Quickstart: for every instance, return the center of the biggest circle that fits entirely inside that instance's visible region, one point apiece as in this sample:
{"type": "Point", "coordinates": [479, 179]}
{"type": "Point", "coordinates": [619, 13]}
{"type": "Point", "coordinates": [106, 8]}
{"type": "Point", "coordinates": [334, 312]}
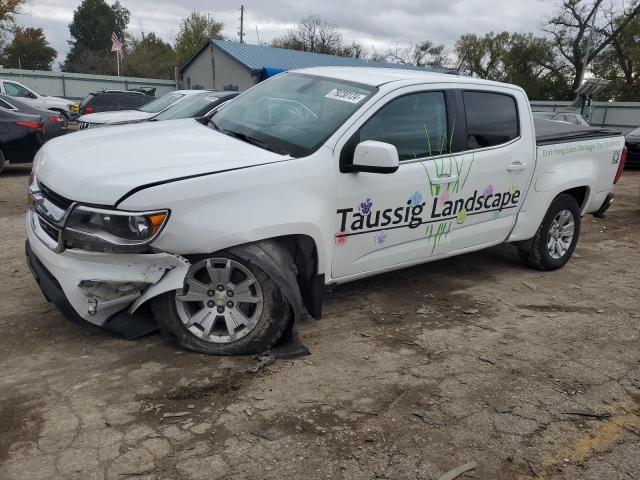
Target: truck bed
{"type": "Point", "coordinates": [549, 131]}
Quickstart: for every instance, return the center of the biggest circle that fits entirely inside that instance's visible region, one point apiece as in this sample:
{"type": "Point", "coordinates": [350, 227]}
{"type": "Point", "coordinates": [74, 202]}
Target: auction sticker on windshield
{"type": "Point", "coordinates": [345, 95]}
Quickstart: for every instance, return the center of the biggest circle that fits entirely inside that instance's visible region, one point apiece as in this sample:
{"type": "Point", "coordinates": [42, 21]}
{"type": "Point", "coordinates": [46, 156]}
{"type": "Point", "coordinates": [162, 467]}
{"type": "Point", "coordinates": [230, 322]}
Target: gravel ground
{"type": "Point", "coordinates": [527, 374]}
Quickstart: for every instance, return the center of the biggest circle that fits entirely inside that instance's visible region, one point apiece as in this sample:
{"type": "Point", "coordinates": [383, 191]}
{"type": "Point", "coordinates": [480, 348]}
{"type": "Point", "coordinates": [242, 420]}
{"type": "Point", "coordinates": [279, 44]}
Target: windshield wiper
{"type": "Point", "coordinates": [246, 138]}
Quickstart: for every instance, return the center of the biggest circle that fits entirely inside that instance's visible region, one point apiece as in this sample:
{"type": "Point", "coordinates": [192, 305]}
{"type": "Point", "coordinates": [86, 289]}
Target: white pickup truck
{"type": "Point", "coordinates": [67, 108]}
{"type": "Point", "coordinates": [223, 232]}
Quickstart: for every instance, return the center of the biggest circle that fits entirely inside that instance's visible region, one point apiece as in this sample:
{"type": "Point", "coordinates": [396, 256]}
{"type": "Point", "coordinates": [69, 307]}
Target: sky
{"type": "Point", "coordinates": [378, 25]}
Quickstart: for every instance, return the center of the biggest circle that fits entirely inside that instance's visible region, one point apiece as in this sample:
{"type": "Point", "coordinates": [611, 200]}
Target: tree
{"type": "Point", "coordinates": [29, 49]}
{"type": "Point", "coordinates": [483, 56]}
{"type": "Point", "coordinates": [8, 11]}
{"type": "Point", "coordinates": [425, 53]}
{"type": "Point", "coordinates": [150, 57]}
{"type": "Point", "coordinates": [571, 32]}
{"type": "Point", "coordinates": [518, 58]}
{"type": "Point", "coordinates": [314, 34]}
{"type": "Point", "coordinates": [620, 63]}
{"type": "Point", "coordinates": [195, 30]}
{"type": "Point", "coordinates": [93, 23]}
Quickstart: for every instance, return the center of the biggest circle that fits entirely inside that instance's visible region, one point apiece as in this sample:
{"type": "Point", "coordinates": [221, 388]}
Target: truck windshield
{"type": "Point", "coordinates": [292, 113]}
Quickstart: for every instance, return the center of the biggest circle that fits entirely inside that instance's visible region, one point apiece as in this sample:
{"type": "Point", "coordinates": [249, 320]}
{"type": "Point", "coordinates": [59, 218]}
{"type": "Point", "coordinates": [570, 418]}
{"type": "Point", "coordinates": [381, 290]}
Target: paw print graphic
{"type": "Point", "coordinates": [416, 199]}
{"type": "Point", "coordinates": [462, 216]}
{"type": "Point", "coordinates": [380, 237]}
{"type": "Point", "coordinates": [365, 207]}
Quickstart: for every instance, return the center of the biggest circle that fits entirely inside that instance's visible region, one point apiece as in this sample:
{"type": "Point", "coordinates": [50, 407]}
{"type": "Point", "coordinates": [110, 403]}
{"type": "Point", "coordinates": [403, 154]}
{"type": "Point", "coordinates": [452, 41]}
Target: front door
{"type": "Point", "coordinates": [381, 219]}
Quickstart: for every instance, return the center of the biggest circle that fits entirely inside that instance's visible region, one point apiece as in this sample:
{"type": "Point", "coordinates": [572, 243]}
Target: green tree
{"type": "Point", "coordinates": [29, 49]}
{"type": "Point", "coordinates": [92, 25]}
{"type": "Point", "coordinates": [150, 57]}
{"type": "Point", "coordinates": [8, 11]}
{"type": "Point", "coordinates": [620, 63]}
{"type": "Point", "coordinates": [195, 30]}
{"type": "Point", "coordinates": [518, 58]}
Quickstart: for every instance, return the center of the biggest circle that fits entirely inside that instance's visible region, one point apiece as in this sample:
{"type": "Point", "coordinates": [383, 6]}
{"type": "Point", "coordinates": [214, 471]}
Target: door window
{"type": "Point", "coordinates": [104, 101]}
{"type": "Point", "coordinates": [492, 119]}
{"type": "Point", "coordinates": [131, 101]}
{"type": "Point", "coordinates": [15, 90]}
{"type": "Point", "coordinates": [4, 104]}
{"type": "Point", "coordinates": [416, 124]}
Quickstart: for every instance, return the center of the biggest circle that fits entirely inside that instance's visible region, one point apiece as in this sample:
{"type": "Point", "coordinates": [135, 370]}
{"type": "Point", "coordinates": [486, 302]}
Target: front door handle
{"type": "Point", "coordinates": [444, 179]}
{"type": "Point", "coordinates": [516, 166]}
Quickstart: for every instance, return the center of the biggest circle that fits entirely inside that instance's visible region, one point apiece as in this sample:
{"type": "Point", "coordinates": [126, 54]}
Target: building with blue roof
{"type": "Point", "coordinates": [225, 65]}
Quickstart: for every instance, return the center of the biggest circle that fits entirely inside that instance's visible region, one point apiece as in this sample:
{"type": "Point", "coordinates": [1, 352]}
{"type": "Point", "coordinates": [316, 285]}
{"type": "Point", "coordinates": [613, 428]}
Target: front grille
{"type": "Point", "coordinates": [58, 200]}
{"type": "Point", "coordinates": [50, 230]}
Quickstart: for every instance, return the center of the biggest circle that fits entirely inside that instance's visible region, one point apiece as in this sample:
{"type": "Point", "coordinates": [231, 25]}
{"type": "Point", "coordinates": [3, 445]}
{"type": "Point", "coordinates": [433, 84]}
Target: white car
{"type": "Point", "coordinates": [66, 107]}
{"type": "Point", "coordinates": [148, 110]}
{"type": "Point", "coordinates": [223, 232]}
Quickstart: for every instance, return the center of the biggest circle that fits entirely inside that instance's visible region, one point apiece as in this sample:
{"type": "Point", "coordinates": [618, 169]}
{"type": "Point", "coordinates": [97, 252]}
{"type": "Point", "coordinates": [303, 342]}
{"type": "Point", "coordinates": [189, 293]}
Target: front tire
{"type": "Point", "coordinates": [228, 306]}
{"type": "Point", "coordinates": [556, 238]}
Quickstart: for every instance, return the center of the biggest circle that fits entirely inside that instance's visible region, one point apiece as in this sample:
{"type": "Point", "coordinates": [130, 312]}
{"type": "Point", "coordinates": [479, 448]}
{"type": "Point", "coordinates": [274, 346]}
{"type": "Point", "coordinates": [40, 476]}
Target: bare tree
{"type": "Point", "coordinates": [313, 34]}
{"type": "Point", "coordinates": [425, 53]}
{"type": "Point", "coordinates": [570, 30]}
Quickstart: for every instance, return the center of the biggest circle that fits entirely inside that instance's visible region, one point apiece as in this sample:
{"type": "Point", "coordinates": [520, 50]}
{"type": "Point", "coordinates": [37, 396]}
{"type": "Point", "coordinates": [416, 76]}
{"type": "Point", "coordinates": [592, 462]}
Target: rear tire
{"type": "Point", "coordinates": [556, 238]}
{"type": "Point", "coordinates": [3, 161]}
{"type": "Point", "coordinates": [200, 318]}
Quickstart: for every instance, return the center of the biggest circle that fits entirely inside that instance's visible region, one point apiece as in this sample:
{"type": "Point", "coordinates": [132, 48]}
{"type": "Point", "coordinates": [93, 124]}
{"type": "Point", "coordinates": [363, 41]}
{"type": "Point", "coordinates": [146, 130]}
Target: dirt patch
{"type": "Point", "coordinates": [20, 423]}
{"type": "Point", "coordinates": [412, 374]}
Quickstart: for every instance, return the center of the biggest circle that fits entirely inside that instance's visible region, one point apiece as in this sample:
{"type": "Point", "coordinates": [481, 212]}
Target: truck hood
{"type": "Point", "coordinates": [57, 101]}
{"type": "Point", "coordinates": [115, 117]}
{"type": "Point", "coordinates": [102, 165]}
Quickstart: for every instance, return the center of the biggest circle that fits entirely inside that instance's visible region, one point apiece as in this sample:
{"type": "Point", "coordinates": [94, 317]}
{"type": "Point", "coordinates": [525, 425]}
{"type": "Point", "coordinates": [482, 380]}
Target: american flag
{"type": "Point", "coordinates": [116, 44]}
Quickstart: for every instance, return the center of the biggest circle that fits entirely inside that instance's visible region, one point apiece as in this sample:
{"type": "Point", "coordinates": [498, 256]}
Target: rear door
{"type": "Point", "coordinates": [480, 208]}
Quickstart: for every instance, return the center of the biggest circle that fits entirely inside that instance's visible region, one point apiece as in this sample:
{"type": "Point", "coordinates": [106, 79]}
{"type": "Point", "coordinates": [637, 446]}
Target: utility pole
{"type": "Point", "coordinates": [585, 63]}
{"type": "Point", "coordinates": [241, 23]}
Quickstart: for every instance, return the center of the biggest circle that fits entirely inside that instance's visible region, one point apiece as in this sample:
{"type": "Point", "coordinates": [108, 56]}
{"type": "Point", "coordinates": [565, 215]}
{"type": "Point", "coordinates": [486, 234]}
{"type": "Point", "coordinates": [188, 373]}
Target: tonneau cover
{"type": "Point", "coordinates": [549, 131]}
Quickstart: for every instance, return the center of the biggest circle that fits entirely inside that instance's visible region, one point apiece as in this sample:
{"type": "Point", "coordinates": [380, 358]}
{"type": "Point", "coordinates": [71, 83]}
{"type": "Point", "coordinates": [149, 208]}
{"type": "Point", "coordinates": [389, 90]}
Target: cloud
{"type": "Point", "coordinates": [374, 23]}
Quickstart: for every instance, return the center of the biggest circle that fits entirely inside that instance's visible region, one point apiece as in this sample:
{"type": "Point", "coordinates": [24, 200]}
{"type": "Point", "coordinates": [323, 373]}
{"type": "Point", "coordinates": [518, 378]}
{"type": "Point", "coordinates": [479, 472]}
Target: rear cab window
{"type": "Point", "coordinates": [492, 119]}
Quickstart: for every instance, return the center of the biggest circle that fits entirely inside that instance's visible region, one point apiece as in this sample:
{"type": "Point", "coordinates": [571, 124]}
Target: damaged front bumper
{"type": "Point", "coordinates": [103, 289]}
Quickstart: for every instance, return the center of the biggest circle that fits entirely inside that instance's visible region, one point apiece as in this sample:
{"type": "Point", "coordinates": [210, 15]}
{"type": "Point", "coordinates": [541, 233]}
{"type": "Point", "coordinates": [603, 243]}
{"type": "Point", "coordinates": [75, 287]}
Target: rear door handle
{"type": "Point", "coordinates": [444, 179]}
{"type": "Point", "coordinates": [516, 166]}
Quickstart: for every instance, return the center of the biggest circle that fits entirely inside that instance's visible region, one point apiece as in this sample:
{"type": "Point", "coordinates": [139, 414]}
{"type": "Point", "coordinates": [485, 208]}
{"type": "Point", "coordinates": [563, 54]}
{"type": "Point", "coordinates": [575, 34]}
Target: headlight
{"type": "Point", "coordinates": [113, 231]}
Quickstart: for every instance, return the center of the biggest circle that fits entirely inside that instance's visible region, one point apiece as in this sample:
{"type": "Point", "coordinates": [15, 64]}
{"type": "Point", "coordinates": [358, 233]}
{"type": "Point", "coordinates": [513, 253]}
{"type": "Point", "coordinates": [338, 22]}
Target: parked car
{"type": "Point", "coordinates": [21, 135]}
{"type": "Point", "coordinates": [15, 89]}
{"type": "Point", "coordinates": [54, 123]}
{"type": "Point", "coordinates": [568, 117]}
{"type": "Point", "coordinates": [113, 100]}
{"type": "Point", "coordinates": [632, 141]}
{"type": "Point", "coordinates": [131, 114]}
{"type": "Point", "coordinates": [201, 104]}
{"type": "Point", "coordinates": [310, 178]}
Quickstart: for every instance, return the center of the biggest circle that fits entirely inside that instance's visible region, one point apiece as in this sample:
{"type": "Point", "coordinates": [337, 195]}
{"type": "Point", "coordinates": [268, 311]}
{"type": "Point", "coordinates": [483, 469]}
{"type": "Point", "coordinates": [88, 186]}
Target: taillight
{"type": "Point", "coordinates": [87, 110]}
{"type": "Point", "coordinates": [55, 119]}
{"type": "Point", "coordinates": [623, 159]}
{"type": "Point", "coordinates": [35, 126]}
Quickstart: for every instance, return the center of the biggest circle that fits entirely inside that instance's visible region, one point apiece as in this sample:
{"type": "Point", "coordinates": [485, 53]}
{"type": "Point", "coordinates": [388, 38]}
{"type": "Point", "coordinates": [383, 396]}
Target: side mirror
{"type": "Point", "coordinates": [375, 157]}
{"type": "Point", "coordinates": [31, 95]}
